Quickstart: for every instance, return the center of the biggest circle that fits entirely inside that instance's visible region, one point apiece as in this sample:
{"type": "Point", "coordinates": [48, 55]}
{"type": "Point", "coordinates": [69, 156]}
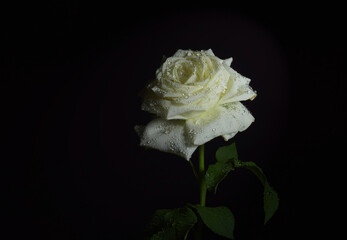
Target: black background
{"type": "Point", "coordinates": [70, 76]}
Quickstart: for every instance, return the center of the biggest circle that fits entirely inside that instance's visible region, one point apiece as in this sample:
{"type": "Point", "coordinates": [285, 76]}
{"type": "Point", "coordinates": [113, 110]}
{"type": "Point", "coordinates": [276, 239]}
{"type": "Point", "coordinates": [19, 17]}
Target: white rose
{"type": "Point", "coordinates": [196, 97]}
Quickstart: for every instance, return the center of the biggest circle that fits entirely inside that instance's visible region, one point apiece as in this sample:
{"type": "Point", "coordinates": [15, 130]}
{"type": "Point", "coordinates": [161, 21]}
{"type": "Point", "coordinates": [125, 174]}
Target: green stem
{"type": "Point", "coordinates": [202, 182]}
{"type": "Point", "coordinates": [203, 189]}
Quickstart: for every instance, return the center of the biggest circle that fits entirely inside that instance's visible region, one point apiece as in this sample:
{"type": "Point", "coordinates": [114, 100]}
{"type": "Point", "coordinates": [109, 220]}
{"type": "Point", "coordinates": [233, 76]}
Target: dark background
{"type": "Point", "coordinates": [70, 75]}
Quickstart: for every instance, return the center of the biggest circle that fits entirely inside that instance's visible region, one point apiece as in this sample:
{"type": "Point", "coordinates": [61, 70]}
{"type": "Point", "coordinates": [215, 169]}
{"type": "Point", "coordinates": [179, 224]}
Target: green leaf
{"type": "Point", "coordinates": [256, 170]}
{"type": "Point", "coordinates": [171, 224]}
{"type": "Point", "coordinates": [216, 173]}
{"type": "Point", "coordinates": [226, 157]}
{"type": "Point", "coordinates": [271, 200]}
{"type": "Point", "coordinates": [226, 153]}
{"type": "Point", "coordinates": [227, 160]}
{"type": "Point", "coordinates": [219, 219]}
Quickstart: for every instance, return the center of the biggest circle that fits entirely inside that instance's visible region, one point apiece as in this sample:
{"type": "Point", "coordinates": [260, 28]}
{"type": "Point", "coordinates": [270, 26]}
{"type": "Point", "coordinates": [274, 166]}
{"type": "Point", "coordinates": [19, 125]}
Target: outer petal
{"type": "Point", "coordinates": [228, 61]}
{"type": "Point", "coordinates": [238, 88]}
{"type": "Point", "coordinates": [168, 110]}
{"type": "Point", "coordinates": [210, 52]}
{"type": "Point", "coordinates": [166, 136]}
{"type": "Point", "coordinates": [225, 120]}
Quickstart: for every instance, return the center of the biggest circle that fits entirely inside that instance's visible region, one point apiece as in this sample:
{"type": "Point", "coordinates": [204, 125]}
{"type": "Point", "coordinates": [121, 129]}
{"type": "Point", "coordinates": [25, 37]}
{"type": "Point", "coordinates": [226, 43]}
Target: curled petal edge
{"type": "Point", "coordinates": [166, 136]}
{"type": "Point", "coordinates": [182, 137]}
{"type": "Point", "coordinates": [226, 121]}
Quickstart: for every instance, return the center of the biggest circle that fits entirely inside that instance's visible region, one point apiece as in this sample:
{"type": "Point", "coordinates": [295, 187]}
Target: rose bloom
{"type": "Point", "coordinates": [195, 97]}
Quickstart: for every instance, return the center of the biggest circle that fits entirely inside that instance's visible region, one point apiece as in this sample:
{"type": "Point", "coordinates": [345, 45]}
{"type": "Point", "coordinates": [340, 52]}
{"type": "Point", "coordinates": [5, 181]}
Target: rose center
{"type": "Point", "coordinates": [183, 72]}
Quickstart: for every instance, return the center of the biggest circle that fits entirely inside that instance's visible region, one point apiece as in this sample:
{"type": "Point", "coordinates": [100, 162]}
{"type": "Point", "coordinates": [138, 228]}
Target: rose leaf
{"type": "Point", "coordinates": [220, 220]}
{"type": "Point", "coordinates": [226, 157]}
{"type": "Point", "coordinates": [216, 173]}
{"type": "Point", "coordinates": [171, 224]}
{"type": "Point", "coordinates": [226, 153]}
{"type": "Point", "coordinates": [271, 200]}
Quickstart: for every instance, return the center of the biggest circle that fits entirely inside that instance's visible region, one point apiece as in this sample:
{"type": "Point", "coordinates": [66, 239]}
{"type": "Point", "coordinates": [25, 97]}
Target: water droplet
{"type": "Point", "coordinates": [172, 147]}
{"type": "Point", "coordinates": [213, 129]}
{"type": "Point", "coordinates": [149, 142]}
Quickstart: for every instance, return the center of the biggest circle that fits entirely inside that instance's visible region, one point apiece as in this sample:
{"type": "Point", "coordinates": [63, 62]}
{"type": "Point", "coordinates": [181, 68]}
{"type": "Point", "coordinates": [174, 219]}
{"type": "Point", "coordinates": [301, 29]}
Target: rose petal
{"type": "Point", "coordinates": [169, 110]}
{"type": "Point", "coordinates": [184, 111]}
{"type": "Point", "coordinates": [210, 52]}
{"type": "Point", "coordinates": [228, 136]}
{"type": "Point", "coordinates": [225, 120]}
{"type": "Point", "coordinates": [228, 61]}
{"type": "Point", "coordinates": [238, 88]}
{"type": "Point", "coordinates": [166, 136]}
